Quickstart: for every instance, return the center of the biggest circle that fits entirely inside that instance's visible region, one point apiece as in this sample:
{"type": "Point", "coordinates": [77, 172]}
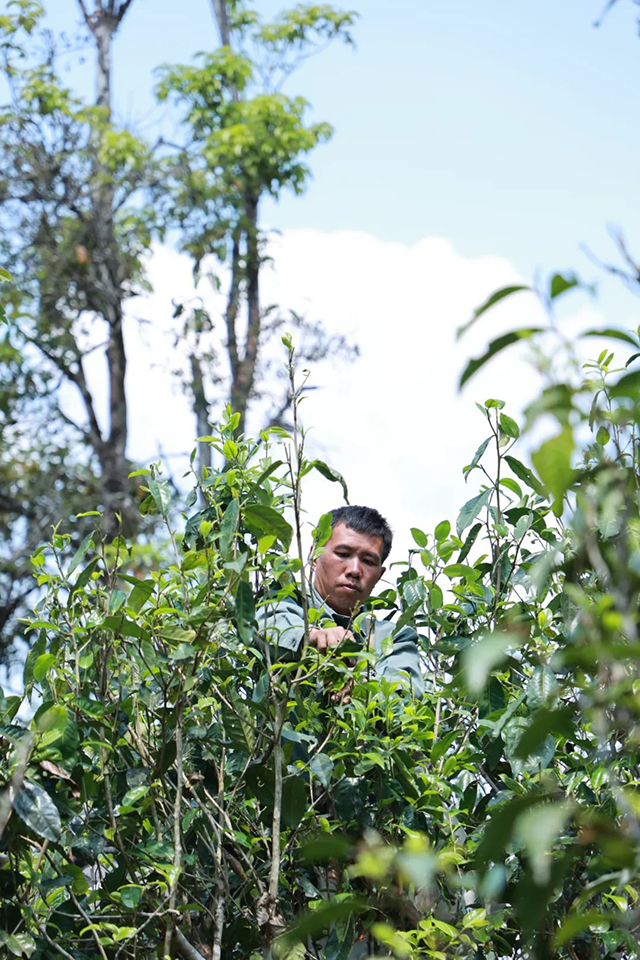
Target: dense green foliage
{"type": "Point", "coordinates": [179, 792]}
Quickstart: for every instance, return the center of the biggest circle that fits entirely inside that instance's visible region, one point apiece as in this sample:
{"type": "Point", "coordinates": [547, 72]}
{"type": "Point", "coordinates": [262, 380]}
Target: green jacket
{"type": "Point", "coordinates": [285, 630]}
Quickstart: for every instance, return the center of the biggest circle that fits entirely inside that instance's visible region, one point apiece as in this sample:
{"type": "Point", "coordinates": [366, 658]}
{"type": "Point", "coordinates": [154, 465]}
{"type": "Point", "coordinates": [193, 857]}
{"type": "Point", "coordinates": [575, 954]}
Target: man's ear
{"type": "Point", "coordinates": [382, 572]}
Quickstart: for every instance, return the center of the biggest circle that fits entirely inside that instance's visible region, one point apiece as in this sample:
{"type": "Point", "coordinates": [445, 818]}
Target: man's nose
{"type": "Point", "coordinates": [354, 567]}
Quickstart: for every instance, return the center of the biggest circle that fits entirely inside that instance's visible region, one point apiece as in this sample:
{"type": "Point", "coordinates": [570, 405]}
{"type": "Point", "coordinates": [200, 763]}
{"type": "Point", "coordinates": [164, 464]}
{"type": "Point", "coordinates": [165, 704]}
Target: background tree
{"type": "Point", "coordinates": [74, 231]}
{"type": "Point", "coordinates": [246, 140]}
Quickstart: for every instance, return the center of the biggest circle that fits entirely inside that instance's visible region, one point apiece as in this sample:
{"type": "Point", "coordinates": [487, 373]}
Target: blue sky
{"type": "Point", "coordinates": [510, 128]}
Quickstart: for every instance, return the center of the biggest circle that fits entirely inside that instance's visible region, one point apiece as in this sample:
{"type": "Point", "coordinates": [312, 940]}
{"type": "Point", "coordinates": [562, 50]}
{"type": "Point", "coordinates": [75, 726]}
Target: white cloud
{"type": "Point", "coordinates": [392, 422]}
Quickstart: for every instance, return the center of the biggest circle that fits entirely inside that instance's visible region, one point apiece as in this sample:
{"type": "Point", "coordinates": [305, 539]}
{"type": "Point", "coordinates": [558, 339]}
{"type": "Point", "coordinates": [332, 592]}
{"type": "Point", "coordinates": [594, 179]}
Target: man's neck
{"type": "Point", "coordinates": [342, 619]}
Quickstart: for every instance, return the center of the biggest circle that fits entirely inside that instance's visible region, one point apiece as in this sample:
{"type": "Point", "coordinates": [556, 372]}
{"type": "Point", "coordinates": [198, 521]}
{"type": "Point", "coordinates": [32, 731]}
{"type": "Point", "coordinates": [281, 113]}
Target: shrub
{"type": "Point", "coordinates": [180, 792]}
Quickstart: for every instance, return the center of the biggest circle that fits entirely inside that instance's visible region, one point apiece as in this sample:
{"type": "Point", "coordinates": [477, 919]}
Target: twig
{"type": "Point", "coordinates": [177, 838]}
{"type": "Point", "coordinates": [220, 884]}
{"type": "Point", "coordinates": [274, 872]}
{"type": "Point", "coordinates": [54, 945]}
{"type": "Point", "coordinates": [185, 949]}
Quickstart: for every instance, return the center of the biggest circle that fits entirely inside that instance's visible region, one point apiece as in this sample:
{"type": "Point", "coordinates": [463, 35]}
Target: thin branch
{"type": "Point", "coordinates": [85, 13]}
{"type": "Point", "coordinates": [177, 836]}
{"type": "Point", "coordinates": [274, 872]}
{"type": "Point", "coordinates": [186, 950]}
{"type": "Point", "coordinates": [220, 879]}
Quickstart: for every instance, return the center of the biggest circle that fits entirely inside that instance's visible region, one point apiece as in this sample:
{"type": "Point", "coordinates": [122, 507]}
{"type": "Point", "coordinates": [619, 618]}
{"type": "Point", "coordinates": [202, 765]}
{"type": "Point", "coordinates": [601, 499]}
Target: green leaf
{"type": "Point", "coordinates": [553, 463]}
{"type": "Point", "coordinates": [577, 923]}
{"type": "Point", "coordinates": [330, 474]}
{"type": "Point", "coordinates": [159, 490]}
{"type": "Point", "coordinates": [130, 895]}
{"type": "Point", "coordinates": [261, 689]}
{"type": "Point", "coordinates": [387, 935]}
{"type": "Point", "coordinates": [419, 537]}
{"type": "Point", "coordinates": [541, 687]}
{"type": "Point", "coordinates": [132, 796]}
{"type": "Point", "coordinates": [471, 509]}
{"type": "Point", "coordinates": [5, 276]}
{"type": "Point", "coordinates": [612, 333]}
{"type": "Point", "coordinates": [230, 450]}
{"type": "Point", "coordinates": [495, 347]}
{"type": "Point", "coordinates": [495, 297]}
{"type": "Point", "coordinates": [436, 598]}
{"type": "Point", "coordinates": [120, 624]}
{"type": "Point", "coordinates": [51, 724]}
{"type": "Point", "coordinates": [499, 829]}
{"type": "Point", "coordinates": [42, 666]}
{"type": "Point", "coordinates": [184, 651]}
{"type": "Point", "coordinates": [83, 578]}
{"type": "Point", "coordinates": [509, 426]}
{"type": "Point", "coordinates": [329, 912]}
{"type": "Point", "coordinates": [461, 570]}
{"type": "Point", "coordinates": [36, 808]}
{"type": "Point", "coordinates": [177, 634]}
{"type": "Point", "coordinates": [537, 829]}
{"type": "Point", "coordinates": [123, 933]}
{"type": "Point", "coordinates": [140, 594]}
{"type": "Point", "coordinates": [526, 475]}
{"type": "Point", "coordinates": [441, 532]}
{"type": "Point", "coordinates": [245, 611]}
{"type": "Point", "coordinates": [36, 651]}
{"type": "Point", "coordinates": [559, 284]}
{"type": "Point", "coordinates": [229, 526]}
{"type": "Point", "coordinates": [627, 386]}
{"type": "Point", "coordinates": [295, 800]}
{"type": "Point", "coordinates": [471, 538]}
{"type": "Point", "coordinates": [79, 555]}
{"type": "Point", "coordinates": [511, 484]}
{"type": "Point", "coordinates": [116, 600]}
{"type": "Point", "coordinates": [481, 657]}
{"type": "Point", "coordinates": [261, 521]}
{"type": "Point", "coordinates": [324, 847]}
{"type": "Point", "coordinates": [265, 544]}
{"type": "Point", "coordinates": [19, 944]}
{"type": "Point", "coordinates": [545, 723]}
{"type": "Point", "coordinates": [322, 767]}
{"type": "Point", "coordinates": [265, 475]}
{"type": "Point", "coordinates": [439, 748]}
{"type": "Point", "coordinates": [477, 457]}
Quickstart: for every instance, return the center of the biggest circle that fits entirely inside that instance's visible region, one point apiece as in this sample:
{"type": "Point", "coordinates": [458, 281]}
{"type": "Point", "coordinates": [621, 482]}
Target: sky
{"type": "Point", "coordinates": [475, 145]}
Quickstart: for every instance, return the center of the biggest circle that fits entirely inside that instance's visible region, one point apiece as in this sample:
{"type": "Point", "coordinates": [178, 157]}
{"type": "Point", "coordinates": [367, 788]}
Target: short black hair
{"type": "Point", "coordinates": [365, 520]}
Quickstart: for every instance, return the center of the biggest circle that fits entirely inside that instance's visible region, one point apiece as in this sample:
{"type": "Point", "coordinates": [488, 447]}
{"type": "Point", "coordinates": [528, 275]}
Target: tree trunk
{"type": "Point", "coordinates": [222, 19]}
{"type": "Point", "coordinates": [242, 366]}
{"type": "Point", "coordinates": [103, 31]}
{"type": "Point", "coordinates": [201, 410]}
{"type": "Point", "coordinates": [109, 295]}
{"type": "Point", "coordinates": [243, 377]}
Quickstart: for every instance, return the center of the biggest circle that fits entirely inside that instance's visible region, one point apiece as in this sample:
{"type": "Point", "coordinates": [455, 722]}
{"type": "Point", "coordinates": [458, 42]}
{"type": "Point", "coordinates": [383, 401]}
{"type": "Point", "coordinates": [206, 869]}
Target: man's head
{"type": "Point", "coordinates": [350, 564]}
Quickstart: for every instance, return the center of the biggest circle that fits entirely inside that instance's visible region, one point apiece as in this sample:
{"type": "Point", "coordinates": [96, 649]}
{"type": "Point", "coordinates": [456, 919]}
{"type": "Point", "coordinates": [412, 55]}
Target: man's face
{"type": "Point", "coordinates": [348, 568]}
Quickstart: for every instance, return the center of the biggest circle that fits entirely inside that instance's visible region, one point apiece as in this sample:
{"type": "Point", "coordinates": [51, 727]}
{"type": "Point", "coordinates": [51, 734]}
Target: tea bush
{"type": "Point", "coordinates": [181, 791]}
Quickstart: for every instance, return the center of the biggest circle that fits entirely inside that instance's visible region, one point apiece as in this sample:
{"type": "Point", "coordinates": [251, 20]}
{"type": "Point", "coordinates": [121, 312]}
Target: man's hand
{"type": "Point", "coordinates": [326, 640]}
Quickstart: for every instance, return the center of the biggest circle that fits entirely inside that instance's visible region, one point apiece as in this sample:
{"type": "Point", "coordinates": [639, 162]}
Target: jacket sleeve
{"type": "Point", "coordinates": [284, 626]}
{"type": "Point", "coordinates": [402, 663]}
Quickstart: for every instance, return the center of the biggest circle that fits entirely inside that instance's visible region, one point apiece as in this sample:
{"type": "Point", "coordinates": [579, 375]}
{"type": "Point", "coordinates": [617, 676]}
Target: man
{"type": "Point", "coordinates": [343, 577]}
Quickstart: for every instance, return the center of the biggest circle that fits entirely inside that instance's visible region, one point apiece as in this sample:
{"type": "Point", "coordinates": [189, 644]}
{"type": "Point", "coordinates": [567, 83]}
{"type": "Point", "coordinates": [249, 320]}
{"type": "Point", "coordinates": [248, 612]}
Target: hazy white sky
{"type": "Point", "coordinates": [475, 144]}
